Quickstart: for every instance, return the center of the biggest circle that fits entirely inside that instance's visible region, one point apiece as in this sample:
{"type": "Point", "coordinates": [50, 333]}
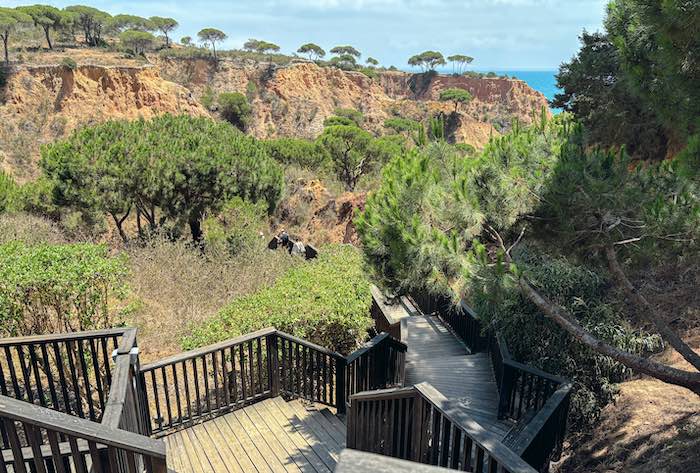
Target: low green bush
{"type": "Point", "coordinates": [235, 109]}
{"type": "Point", "coordinates": [325, 301]}
{"type": "Point", "coordinates": [69, 63]}
{"type": "Point", "coordinates": [8, 192]}
{"type": "Point", "coordinates": [236, 229]}
{"type": "Point", "coordinates": [57, 288]}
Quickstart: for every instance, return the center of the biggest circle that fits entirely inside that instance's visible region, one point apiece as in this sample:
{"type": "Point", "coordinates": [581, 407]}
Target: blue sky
{"type": "Point", "coordinates": [500, 34]}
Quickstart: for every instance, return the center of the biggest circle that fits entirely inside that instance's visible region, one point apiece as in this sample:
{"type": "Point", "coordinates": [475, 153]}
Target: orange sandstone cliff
{"type": "Point", "coordinates": [40, 104]}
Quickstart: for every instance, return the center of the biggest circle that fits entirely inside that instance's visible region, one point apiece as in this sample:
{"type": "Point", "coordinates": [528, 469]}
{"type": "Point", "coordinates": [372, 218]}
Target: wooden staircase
{"type": "Point", "coordinates": [269, 436]}
{"type": "Point", "coordinates": [436, 356]}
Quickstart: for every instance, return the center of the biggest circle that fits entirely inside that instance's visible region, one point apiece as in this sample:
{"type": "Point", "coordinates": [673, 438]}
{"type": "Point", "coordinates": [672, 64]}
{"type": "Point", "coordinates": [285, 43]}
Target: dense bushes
{"type": "Point", "coordinates": [57, 288]}
{"type": "Point", "coordinates": [170, 169]}
{"type": "Point", "coordinates": [235, 109]}
{"type": "Point", "coordinates": [325, 301]}
{"type": "Point", "coordinates": [436, 220]}
{"type": "Point", "coordinates": [540, 341]}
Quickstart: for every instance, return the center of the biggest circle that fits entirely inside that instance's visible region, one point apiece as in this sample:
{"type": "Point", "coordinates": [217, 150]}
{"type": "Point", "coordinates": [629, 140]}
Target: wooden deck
{"type": "Point", "coordinates": [437, 357]}
{"type": "Point", "coordinates": [269, 436]}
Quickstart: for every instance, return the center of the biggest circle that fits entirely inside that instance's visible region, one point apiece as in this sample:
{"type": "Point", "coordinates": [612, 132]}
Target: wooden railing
{"type": "Point", "coordinates": [521, 388]}
{"type": "Point", "coordinates": [418, 424]}
{"type": "Point", "coordinates": [308, 371]}
{"type": "Point", "coordinates": [541, 438]}
{"type": "Point", "coordinates": [207, 381]}
{"type": "Point", "coordinates": [56, 381]}
{"type": "Point", "coordinates": [523, 391]}
{"type": "Point", "coordinates": [51, 441]}
{"type": "Point", "coordinates": [379, 364]}
{"type": "Point", "coordinates": [223, 377]}
{"type": "Point", "coordinates": [70, 373]}
{"type": "Point", "coordinates": [352, 461]}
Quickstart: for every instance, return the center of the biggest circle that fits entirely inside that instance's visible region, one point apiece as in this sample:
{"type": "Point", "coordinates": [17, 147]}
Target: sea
{"type": "Point", "coordinates": [542, 81]}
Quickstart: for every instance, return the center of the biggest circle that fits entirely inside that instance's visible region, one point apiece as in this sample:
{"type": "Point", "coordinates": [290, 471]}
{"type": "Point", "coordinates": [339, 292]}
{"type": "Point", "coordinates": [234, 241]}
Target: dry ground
{"type": "Point", "coordinates": [653, 427]}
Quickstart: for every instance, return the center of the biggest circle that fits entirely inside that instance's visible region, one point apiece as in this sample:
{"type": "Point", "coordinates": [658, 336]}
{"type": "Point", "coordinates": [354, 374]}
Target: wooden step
{"type": "Point", "coordinates": [269, 436]}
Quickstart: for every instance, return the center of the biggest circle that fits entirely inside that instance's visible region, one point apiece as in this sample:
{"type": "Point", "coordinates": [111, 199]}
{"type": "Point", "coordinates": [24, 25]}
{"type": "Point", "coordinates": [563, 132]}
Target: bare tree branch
{"type": "Point", "coordinates": [648, 311]}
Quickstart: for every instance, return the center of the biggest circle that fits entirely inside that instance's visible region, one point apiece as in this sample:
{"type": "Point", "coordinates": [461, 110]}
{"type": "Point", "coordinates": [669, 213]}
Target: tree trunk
{"type": "Point", "coordinates": [48, 36]}
{"type": "Point", "coordinates": [566, 321]}
{"type": "Point", "coordinates": [648, 311]}
{"type": "Point", "coordinates": [119, 222]}
{"type": "Point", "coordinates": [196, 230]}
{"type": "Point", "coordinates": [4, 42]}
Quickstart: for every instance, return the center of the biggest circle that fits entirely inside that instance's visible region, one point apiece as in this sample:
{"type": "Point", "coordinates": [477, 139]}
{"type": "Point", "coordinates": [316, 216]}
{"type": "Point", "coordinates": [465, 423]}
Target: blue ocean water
{"type": "Point", "coordinates": [542, 81]}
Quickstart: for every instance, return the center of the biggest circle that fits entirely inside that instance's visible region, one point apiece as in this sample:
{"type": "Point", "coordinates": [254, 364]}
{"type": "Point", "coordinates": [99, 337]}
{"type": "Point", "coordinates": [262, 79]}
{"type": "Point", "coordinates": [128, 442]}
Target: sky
{"type": "Point", "coordinates": [499, 34]}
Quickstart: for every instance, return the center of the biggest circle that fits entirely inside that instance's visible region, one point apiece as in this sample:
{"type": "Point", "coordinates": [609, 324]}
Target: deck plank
{"type": "Point", "coordinates": [211, 452]}
{"type": "Point", "coordinates": [312, 421]}
{"type": "Point", "coordinates": [296, 437]}
{"type": "Point", "coordinates": [271, 436]}
{"type": "Point", "coordinates": [307, 433]}
{"type": "Point", "coordinates": [436, 356]}
{"type": "Point", "coordinates": [237, 435]}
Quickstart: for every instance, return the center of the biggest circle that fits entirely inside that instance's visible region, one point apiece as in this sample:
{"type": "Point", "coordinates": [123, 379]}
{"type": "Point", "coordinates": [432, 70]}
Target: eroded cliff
{"type": "Point", "coordinates": [43, 103]}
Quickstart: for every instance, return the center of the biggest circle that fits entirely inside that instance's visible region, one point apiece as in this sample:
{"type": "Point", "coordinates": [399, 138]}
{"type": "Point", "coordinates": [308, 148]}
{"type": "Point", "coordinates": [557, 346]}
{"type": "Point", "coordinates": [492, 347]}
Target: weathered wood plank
{"type": "Point", "coordinates": [307, 433]}
{"type": "Point", "coordinates": [295, 436]}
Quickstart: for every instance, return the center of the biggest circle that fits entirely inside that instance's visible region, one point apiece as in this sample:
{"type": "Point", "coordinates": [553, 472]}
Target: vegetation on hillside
{"type": "Point", "coordinates": [169, 170]}
{"type": "Point", "coordinates": [325, 301]}
{"type": "Point", "coordinates": [57, 288]}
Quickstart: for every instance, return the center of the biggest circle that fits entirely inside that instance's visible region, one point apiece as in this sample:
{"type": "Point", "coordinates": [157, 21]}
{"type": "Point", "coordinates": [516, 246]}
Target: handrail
{"type": "Point", "coordinates": [488, 441]}
{"type": "Point", "coordinates": [308, 344]}
{"type": "Point", "coordinates": [352, 461]}
{"type": "Point", "coordinates": [372, 344]}
{"type": "Point", "coordinates": [206, 350]}
{"type": "Point", "coordinates": [69, 372]}
{"type": "Point", "coordinates": [59, 337]}
{"type": "Point", "coordinates": [379, 364]}
{"type": "Point", "coordinates": [417, 423]}
{"type": "Point", "coordinates": [39, 422]}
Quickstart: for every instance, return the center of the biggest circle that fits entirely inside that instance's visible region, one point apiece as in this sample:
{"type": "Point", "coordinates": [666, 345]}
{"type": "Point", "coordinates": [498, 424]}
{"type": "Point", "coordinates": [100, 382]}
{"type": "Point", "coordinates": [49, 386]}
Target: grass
{"type": "Point", "coordinates": [173, 286]}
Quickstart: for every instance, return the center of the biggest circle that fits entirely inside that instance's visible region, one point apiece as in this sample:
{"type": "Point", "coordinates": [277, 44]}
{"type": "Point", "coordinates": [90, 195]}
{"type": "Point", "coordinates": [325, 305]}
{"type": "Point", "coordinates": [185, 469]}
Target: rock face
{"type": "Point", "coordinates": [295, 100]}
{"type": "Point", "coordinates": [43, 103]}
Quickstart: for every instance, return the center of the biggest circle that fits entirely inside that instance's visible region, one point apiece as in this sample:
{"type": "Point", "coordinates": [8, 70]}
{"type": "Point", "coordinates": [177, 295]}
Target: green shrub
{"type": "Point", "coordinates": [8, 192]}
{"type": "Point", "coordinates": [534, 339]}
{"type": "Point", "coordinates": [236, 228]}
{"type": "Point", "coordinates": [235, 109]}
{"type": "Point", "coordinates": [57, 288]}
{"type": "Point", "coordinates": [325, 301]}
{"type": "Point", "coordinates": [208, 97]}
{"type": "Point", "coordinates": [294, 151]}
{"type": "Point", "coordinates": [69, 63]}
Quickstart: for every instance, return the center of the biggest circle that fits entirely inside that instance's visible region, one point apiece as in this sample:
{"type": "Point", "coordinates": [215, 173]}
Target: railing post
{"type": "Point", "coordinates": [273, 364]}
{"type": "Point", "coordinates": [340, 400]}
{"type": "Point", "coordinates": [506, 383]}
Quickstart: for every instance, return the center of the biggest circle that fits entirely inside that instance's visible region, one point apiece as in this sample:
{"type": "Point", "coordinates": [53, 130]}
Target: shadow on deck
{"type": "Point", "coordinates": [270, 436]}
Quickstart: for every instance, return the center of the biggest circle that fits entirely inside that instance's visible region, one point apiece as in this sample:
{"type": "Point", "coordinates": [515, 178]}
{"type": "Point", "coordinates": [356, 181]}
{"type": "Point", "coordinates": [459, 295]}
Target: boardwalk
{"type": "Point", "coordinates": [436, 356]}
{"type": "Point", "coordinates": [269, 436]}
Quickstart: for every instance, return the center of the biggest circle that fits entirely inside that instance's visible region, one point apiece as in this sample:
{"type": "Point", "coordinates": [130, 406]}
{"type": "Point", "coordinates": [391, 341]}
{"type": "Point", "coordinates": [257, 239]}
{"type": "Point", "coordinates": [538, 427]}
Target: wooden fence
{"type": "Point", "coordinates": [418, 424]}
{"type": "Point", "coordinates": [61, 385]}
{"type": "Point", "coordinates": [219, 378]}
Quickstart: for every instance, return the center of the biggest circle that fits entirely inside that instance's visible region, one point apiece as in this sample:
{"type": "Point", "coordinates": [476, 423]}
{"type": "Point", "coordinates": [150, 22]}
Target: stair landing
{"type": "Point", "coordinates": [270, 436]}
{"type": "Point", "coordinates": [436, 356]}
